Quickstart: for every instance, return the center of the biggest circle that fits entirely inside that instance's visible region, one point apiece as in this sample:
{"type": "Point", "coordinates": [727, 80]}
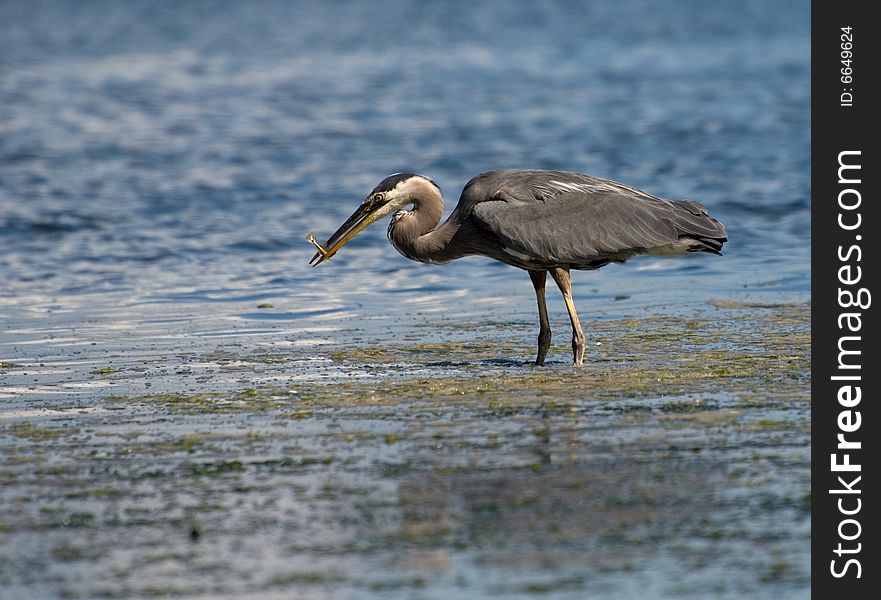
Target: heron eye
{"type": "Point", "coordinates": [379, 197]}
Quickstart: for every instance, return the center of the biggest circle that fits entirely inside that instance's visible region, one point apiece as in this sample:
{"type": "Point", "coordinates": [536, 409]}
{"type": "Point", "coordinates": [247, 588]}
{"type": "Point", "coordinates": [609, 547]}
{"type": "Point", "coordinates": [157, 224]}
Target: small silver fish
{"type": "Point", "coordinates": [311, 239]}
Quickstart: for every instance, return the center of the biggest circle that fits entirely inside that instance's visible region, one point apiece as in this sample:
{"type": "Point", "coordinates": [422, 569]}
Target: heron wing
{"type": "Point", "coordinates": [572, 218]}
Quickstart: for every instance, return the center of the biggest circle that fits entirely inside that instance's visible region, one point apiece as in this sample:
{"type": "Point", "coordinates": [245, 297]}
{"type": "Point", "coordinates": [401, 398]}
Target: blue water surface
{"type": "Point", "coordinates": [161, 163]}
{"type": "Point", "coordinates": [150, 149]}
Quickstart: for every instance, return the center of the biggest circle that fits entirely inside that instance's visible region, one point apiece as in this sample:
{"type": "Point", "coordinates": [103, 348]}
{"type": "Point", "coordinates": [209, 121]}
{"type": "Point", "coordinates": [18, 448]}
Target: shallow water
{"type": "Point", "coordinates": [160, 165]}
{"type": "Point", "coordinates": [675, 463]}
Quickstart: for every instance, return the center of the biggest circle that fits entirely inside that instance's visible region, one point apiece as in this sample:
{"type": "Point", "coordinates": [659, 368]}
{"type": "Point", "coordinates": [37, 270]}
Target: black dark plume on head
{"type": "Point", "coordinates": [389, 183]}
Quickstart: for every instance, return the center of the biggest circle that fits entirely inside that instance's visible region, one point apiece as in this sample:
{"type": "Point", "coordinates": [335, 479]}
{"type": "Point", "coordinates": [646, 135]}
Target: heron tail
{"type": "Point", "coordinates": [697, 229]}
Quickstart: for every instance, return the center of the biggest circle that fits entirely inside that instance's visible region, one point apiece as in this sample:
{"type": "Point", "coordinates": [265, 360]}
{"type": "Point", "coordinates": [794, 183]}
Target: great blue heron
{"type": "Point", "coordinates": [540, 221]}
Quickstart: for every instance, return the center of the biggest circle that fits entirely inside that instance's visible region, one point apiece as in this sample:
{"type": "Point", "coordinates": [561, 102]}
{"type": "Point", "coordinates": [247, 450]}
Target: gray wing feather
{"type": "Point", "coordinates": [574, 218]}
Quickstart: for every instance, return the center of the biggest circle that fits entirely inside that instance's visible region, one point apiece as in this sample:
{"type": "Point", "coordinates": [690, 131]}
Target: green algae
{"type": "Point", "coordinates": [247, 400]}
{"type": "Point", "coordinates": [729, 357]}
{"type": "Point", "coordinates": [222, 467]}
{"type": "Point", "coordinates": [267, 359]}
{"type": "Point", "coordinates": [36, 434]}
{"type": "Point", "coordinates": [104, 371]}
{"type": "Point", "coordinates": [304, 578]}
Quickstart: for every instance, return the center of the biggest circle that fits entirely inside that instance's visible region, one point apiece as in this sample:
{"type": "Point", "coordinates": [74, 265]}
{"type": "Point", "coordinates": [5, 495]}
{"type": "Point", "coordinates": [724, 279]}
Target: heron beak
{"type": "Point", "coordinates": [360, 219]}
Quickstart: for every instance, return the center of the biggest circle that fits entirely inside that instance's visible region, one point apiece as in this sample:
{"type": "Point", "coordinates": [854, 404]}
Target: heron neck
{"type": "Point", "coordinates": [416, 234]}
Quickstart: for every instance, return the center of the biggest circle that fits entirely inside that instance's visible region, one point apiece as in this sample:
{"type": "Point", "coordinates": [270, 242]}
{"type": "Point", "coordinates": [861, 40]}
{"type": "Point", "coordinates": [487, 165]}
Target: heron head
{"type": "Point", "coordinates": [393, 193]}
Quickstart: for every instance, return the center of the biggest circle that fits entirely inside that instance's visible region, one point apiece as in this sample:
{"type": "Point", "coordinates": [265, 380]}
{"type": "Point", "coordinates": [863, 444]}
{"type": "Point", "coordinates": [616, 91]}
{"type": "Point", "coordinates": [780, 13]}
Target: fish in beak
{"type": "Point", "coordinates": [366, 214]}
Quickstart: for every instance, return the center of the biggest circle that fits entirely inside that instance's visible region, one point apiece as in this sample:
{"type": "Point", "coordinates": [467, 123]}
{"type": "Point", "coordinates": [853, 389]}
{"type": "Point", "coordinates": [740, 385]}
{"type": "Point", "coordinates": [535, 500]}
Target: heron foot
{"type": "Point", "coordinates": [561, 277]}
{"type": "Point", "coordinates": [544, 344]}
{"type": "Point", "coordinates": [578, 348]}
{"type": "Point", "coordinates": [544, 325]}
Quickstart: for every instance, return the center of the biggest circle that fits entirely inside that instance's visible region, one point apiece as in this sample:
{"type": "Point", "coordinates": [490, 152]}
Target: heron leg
{"type": "Point", "coordinates": [544, 332]}
{"type": "Point", "coordinates": [561, 276]}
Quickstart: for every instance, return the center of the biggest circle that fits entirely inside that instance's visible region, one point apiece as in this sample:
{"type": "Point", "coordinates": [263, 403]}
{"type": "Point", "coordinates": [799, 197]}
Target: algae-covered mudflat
{"type": "Point", "coordinates": [674, 463]}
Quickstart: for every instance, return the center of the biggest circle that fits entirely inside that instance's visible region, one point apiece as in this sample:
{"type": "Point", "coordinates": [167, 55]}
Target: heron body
{"type": "Point", "coordinates": [537, 220]}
